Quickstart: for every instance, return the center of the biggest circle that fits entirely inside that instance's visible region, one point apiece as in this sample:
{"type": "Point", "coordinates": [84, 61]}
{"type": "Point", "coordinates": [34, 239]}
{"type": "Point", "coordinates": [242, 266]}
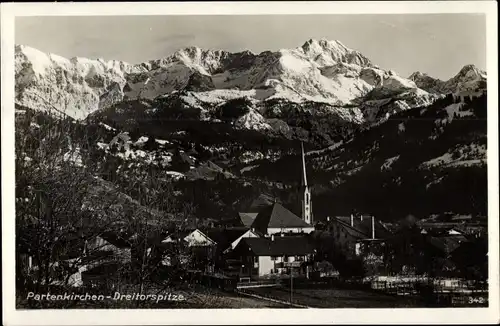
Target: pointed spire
{"type": "Point", "coordinates": [304, 174]}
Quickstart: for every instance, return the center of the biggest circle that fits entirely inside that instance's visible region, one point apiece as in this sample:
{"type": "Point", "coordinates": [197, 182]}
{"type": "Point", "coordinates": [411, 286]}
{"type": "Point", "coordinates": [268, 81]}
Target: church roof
{"type": "Point", "coordinates": [257, 204]}
{"type": "Point", "coordinates": [277, 216]}
{"type": "Point", "coordinates": [247, 218]}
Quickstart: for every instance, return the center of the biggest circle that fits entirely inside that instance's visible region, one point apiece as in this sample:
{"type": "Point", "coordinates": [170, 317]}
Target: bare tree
{"type": "Point", "coordinates": [55, 211]}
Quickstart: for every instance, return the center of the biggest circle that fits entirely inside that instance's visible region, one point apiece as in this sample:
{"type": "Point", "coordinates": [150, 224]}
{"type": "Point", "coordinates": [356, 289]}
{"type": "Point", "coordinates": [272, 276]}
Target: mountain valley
{"type": "Point", "coordinates": [222, 128]}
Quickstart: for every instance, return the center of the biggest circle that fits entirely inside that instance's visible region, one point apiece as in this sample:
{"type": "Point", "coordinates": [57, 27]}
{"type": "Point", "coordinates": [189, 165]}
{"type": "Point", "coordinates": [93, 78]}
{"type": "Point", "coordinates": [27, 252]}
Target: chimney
{"type": "Point", "coordinates": [272, 237]}
{"type": "Point", "coordinates": [328, 218]}
{"type": "Point", "coordinates": [352, 220]}
{"type": "Point", "coordinates": [373, 227]}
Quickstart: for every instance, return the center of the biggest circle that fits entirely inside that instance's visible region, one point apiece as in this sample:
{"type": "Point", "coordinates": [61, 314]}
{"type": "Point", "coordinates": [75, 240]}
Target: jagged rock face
{"type": "Point", "coordinates": [426, 82]}
{"type": "Point", "coordinates": [319, 71]}
{"type": "Point", "coordinates": [199, 83]}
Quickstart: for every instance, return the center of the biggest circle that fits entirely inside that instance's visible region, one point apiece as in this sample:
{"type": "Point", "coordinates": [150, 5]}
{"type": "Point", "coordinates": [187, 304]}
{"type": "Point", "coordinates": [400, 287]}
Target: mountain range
{"type": "Point", "coordinates": [210, 115]}
{"type": "Point", "coordinates": [319, 71]}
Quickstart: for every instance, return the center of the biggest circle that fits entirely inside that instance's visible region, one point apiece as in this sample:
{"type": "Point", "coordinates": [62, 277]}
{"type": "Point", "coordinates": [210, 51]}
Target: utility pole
{"type": "Point", "coordinates": [291, 284]}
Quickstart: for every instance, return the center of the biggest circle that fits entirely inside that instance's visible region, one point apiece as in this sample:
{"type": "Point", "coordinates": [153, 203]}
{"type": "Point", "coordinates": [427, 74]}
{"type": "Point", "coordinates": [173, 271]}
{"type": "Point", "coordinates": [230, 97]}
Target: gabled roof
{"type": "Point", "coordinates": [277, 216]}
{"type": "Point", "coordinates": [177, 235]}
{"type": "Point", "coordinates": [247, 218]}
{"type": "Point", "coordinates": [279, 246]}
{"type": "Point", "coordinates": [209, 241]}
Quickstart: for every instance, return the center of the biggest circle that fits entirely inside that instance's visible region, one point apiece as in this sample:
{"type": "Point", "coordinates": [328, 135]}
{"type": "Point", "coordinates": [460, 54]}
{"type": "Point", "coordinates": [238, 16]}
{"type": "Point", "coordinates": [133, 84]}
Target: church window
{"type": "Point", "coordinates": [307, 197]}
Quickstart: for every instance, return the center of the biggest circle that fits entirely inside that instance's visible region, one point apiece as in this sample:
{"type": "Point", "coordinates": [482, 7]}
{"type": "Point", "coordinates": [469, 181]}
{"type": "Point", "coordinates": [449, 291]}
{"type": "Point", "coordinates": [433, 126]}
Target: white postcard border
{"type": "Point", "coordinates": [242, 316]}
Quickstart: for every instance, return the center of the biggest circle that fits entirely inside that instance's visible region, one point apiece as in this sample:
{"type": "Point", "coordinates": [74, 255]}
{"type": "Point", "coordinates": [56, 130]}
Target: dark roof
{"type": "Point", "coordinates": [277, 216]}
{"type": "Point", "coordinates": [224, 237]}
{"type": "Point", "coordinates": [353, 232]}
{"type": "Point", "coordinates": [281, 245]}
{"type": "Point", "coordinates": [447, 244]}
{"type": "Point", "coordinates": [247, 218]}
{"type": "Point", "coordinates": [117, 240]}
{"type": "Point", "coordinates": [364, 226]}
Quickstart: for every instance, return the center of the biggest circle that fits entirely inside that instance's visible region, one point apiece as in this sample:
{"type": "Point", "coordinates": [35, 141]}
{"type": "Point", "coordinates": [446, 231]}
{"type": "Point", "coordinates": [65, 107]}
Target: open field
{"type": "Point", "coordinates": [337, 298]}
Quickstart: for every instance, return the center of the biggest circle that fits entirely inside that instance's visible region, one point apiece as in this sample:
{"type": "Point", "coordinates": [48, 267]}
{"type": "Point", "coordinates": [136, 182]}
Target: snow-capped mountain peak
{"type": "Point", "coordinates": [318, 71]}
{"type": "Point", "coordinates": [468, 79]}
{"type": "Point", "coordinates": [470, 72]}
{"type": "Point", "coordinates": [417, 75]}
{"type": "Point", "coordinates": [326, 53]}
{"type": "Point", "coordinates": [313, 45]}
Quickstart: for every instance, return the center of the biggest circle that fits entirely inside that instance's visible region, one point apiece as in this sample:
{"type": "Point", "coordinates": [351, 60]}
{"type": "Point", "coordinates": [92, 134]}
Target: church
{"type": "Point", "coordinates": [272, 217]}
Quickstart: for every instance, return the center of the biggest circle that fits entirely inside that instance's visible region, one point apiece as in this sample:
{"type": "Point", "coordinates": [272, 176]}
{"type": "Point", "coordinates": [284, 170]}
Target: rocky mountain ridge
{"type": "Point", "coordinates": [319, 71]}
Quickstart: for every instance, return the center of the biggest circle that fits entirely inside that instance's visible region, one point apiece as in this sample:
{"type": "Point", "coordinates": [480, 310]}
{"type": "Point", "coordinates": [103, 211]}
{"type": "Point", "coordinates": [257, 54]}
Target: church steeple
{"type": "Point", "coordinates": [304, 173]}
{"type": "Point", "coordinates": [306, 196]}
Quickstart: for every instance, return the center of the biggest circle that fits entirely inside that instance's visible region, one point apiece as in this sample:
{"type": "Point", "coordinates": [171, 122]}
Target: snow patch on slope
{"type": "Point", "coordinates": [465, 155]}
{"type": "Point", "coordinates": [455, 109]}
{"type": "Point", "coordinates": [388, 163]}
{"type": "Point", "coordinates": [253, 121]}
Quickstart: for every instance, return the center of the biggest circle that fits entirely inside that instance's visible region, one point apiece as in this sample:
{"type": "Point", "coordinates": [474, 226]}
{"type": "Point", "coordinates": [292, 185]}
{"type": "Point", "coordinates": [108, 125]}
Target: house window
{"type": "Point", "coordinates": [255, 259]}
{"type": "Point", "coordinates": [273, 258]}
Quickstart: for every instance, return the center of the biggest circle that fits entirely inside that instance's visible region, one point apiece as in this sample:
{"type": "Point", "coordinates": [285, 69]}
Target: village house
{"type": "Point", "coordinates": [274, 256]}
{"type": "Point", "coordinates": [104, 255]}
{"type": "Point", "coordinates": [208, 246]}
{"type": "Point", "coordinates": [355, 235]}
{"type": "Point", "coordinates": [352, 244]}
{"type": "Point", "coordinates": [108, 247]}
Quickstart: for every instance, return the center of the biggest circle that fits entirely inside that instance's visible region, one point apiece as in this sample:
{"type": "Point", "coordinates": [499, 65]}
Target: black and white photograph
{"type": "Point", "coordinates": [207, 161]}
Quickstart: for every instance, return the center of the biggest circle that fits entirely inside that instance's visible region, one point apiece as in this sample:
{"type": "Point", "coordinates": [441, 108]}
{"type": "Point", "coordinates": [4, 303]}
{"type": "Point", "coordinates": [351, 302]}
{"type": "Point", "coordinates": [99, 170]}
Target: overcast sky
{"type": "Point", "coordinates": [434, 43]}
